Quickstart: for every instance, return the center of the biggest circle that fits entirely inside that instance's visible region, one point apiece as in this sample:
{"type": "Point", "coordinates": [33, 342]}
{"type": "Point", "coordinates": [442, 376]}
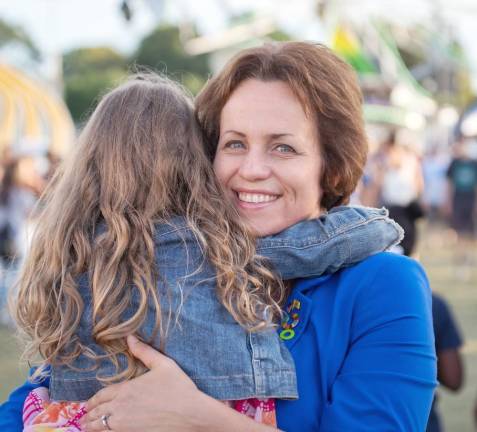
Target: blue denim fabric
{"type": "Point", "coordinates": [223, 359]}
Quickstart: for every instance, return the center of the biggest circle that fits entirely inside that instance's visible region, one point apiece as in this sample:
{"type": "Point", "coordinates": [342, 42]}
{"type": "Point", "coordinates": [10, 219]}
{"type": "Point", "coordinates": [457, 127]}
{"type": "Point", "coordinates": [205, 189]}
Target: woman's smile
{"type": "Point", "coordinates": [255, 199]}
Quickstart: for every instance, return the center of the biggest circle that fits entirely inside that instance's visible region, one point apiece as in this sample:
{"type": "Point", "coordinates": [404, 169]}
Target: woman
{"type": "Point", "coordinates": [284, 128]}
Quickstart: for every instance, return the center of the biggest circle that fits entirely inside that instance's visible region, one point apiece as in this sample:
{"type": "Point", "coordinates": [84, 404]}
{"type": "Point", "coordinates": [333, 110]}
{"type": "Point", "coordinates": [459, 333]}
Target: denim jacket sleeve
{"type": "Point", "coordinates": [340, 238]}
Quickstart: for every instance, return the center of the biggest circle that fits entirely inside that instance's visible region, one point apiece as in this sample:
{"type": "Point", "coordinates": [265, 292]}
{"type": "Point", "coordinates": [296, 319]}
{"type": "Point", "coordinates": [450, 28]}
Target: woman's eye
{"type": "Point", "coordinates": [284, 148]}
{"type": "Point", "coordinates": [234, 145]}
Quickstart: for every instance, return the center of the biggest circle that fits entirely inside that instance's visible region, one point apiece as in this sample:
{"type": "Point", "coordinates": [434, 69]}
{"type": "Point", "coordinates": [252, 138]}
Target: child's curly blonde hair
{"type": "Point", "coordinates": [140, 160]}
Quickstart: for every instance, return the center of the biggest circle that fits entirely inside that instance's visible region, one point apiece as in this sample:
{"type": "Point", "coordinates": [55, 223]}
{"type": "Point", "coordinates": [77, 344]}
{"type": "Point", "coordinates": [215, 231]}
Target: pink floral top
{"type": "Point", "coordinates": [40, 414]}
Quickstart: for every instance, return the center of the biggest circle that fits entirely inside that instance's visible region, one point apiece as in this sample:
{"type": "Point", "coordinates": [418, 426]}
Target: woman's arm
{"type": "Point", "coordinates": [163, 399]}
{"type": "Point", "coordinates": [344, 236]}
{"type": "Point", "coordinates": [11, 411]}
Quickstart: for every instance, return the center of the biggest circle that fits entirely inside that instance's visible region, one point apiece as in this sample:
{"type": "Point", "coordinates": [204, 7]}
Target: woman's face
{"type": "Point", "coordinates": [268, 156]}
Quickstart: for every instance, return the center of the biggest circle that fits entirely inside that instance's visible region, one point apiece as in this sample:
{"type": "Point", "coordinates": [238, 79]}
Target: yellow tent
{"type": "Point", "coordinates": [31, 113]}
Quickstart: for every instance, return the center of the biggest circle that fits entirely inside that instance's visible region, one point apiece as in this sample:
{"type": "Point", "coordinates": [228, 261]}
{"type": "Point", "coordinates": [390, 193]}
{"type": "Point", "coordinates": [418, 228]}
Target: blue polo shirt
{"type": "Point", "coordinates": [363, 346]}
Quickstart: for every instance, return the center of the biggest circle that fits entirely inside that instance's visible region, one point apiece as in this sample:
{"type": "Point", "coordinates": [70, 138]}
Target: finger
{"type": "Point", "coordinates": [95, 414]}
{"type": "Point", "coordinates": [106, 394]}
{"type": "Point", "coordinates": [93, 426]}
{"type": "Point", "coordinates": [149, 356]}
{"type": "Point", "coordinates": [96, 426]}
{"type": "Point", "coordinates": [92, 421]}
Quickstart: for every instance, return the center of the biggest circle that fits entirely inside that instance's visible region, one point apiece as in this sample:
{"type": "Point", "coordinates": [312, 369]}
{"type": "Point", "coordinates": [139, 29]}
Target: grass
{"type": "Point", "coordinates": [449, 276]}
{"type": "Point", "coordinates": [11, 373]}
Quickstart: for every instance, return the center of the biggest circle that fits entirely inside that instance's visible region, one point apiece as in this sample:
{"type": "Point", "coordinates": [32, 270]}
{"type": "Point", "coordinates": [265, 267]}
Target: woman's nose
{"type": "Point", "coordinates": [254, 166]}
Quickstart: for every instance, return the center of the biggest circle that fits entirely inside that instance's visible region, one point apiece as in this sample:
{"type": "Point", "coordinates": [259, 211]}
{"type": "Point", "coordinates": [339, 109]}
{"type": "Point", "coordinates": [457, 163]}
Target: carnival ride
{"type": "Point", "coordinates": [33, 118]}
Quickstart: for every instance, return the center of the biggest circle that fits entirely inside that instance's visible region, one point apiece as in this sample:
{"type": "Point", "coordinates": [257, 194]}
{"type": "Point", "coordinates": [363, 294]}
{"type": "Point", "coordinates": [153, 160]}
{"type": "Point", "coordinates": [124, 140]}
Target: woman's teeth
{"type": "Point", "coordinates": [256, 198]}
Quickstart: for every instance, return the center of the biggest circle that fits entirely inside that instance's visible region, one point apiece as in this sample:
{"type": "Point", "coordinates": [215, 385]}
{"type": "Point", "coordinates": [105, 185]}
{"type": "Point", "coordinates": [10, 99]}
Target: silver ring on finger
{"type": "Point", "coordinates": [104, 420]}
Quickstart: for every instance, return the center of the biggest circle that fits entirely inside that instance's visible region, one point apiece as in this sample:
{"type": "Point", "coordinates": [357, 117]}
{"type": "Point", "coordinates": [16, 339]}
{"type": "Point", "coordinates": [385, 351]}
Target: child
{"type": "Point", "coordinates": [134, 236]}
{"type": "Point", "coordinates": [448, 340]}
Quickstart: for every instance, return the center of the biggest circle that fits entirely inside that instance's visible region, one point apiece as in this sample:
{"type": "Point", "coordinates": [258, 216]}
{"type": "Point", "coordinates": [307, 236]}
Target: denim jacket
{"type": "Point", "coordinates": [224, 360]}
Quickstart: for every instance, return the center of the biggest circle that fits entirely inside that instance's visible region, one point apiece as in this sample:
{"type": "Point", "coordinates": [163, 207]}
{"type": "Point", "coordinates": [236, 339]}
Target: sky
{"type": "Point", "coordinates": [59, 25]}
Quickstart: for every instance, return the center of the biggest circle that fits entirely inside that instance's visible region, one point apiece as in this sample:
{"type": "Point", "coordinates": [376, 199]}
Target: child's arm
{"type": "Point", "coordinates": [344, 236]}
{"type": "Point", "coordinates": [11, 411]}
{"type": "Point", "coordinates": [450, 370]}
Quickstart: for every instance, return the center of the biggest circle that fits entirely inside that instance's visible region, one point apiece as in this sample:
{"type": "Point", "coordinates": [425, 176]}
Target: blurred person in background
{"type": "Point", "coordinates": [448, 340]}
{"type": "Point", "coordinates": [461, 207]}
{"type": "Point", "coordinates": [367, 191]}
{"type": "Point", "coordinates": [6, 241]}
{"type": "Point", "coordinates": [22, 183]}
{"type": "Point", "coordinates": [434, 167]}
{"type": "Point", "coordinates": [394, 179]}
{"type": "Point", "coordinates": [6, 176]}
{"type": "Point", "coordinates": [28, 184]}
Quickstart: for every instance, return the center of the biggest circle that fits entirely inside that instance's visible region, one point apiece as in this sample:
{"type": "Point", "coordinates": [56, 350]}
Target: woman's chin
{"type": "Point", "coordinates": [270, 225]}
{"type": "Point", "coordinates": [266, 228]}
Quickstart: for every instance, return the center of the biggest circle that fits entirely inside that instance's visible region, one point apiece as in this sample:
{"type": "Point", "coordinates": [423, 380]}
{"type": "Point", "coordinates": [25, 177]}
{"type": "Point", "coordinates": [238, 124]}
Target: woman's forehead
{"type": "Point", "coordinates": [261, 91]}
{"type": "Point", "coordinates": [258, 104]}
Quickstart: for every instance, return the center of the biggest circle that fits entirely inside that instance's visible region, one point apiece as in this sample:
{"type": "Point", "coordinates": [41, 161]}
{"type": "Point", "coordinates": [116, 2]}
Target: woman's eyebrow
{"type": "Point", "coordinates": [279, 135]}
{"type": "Point", "coordinates": [234, 132]}
{"type": "Point", "coordinates": [269, 136]}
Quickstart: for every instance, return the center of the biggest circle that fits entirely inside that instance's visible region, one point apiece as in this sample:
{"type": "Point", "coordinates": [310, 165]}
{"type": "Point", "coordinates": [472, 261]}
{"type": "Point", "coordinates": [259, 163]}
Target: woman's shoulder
{"type": "Point", "coordinates": [384, 261]}
{"type": "Point", "coordinates": [388, 278]}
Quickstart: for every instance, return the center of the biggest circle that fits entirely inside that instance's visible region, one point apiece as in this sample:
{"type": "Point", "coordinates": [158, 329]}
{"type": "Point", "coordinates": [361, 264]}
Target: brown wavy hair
{"type": "Point", "coordinates": [140, 160]}
{"type": "Point", "coordinates": [329, 92]}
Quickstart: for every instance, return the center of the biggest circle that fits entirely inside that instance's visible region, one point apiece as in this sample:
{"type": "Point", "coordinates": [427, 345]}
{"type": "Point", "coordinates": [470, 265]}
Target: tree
{"type": "Point", "coordinates": [89, 72]}
{"type": "Point", "coordinates": [83, 60]}
{"type": "Point", "coordinates": [162, 50]}
{"type": "Point", "coordinates": [10, 34]}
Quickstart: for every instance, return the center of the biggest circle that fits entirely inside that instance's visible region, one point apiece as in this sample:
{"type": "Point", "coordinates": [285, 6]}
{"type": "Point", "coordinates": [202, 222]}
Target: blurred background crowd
{"type": "Point", "coordinates": [417, 64]}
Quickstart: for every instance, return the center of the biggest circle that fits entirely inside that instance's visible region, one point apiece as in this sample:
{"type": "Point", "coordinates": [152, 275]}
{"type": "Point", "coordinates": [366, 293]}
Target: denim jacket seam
{"type": "Point", "coordinates": [63, 379]}
{"type": "Point", "coordinates": [251, 376]}
{"type": "Point", "coordinates": [316, 241]}
{"type": "Point", "coordinates": [385, 219]}
{"type": "Point", "coordinates": [211, 377]}
{"type": "Point", "coordinates": [171, 231]}
{"type": "Point", "coordinates": [206, 377]}
{"type": "Point", "coordinates": [343, 228]}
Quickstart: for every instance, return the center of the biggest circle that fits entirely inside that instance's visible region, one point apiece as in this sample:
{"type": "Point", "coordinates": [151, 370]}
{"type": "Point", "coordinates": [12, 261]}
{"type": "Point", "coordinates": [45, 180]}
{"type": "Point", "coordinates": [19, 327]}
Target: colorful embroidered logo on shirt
{"type": "Point", "coordinates": [291, 318]}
